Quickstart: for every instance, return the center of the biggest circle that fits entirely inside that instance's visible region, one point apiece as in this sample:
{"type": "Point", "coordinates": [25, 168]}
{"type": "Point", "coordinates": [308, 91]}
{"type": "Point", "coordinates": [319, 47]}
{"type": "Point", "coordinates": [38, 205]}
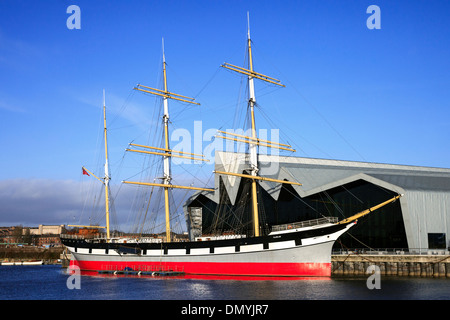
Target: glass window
{"type": "Point", "coordinates": [436, 241]}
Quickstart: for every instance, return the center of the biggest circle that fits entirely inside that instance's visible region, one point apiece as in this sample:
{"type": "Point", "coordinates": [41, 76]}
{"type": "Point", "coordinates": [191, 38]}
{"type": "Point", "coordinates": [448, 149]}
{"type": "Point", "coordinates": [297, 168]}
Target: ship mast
{"type": "Point", "coordinates": [253, 148]}
{"type": "Point", "coordinates": [105, 180]}
{"type": "Point", "coordinates": [167, 177]}
{"type": "Point", "coordinates": [107, 177]}
{"type": "Point", "coordinates": [253, 141]}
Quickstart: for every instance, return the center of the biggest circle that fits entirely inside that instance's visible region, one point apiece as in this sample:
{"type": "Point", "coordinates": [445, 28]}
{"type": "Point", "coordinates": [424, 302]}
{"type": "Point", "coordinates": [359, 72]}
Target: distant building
{"type": "Point", "coordinates": [8, 235]}
{"type": "Point", "coordinates": [47, 229]}
{"type": "Point", "coordinates": [44, 235]}
{"type": "Point", "coordinates": [46, 240]}
{"type": "Point", "coordinates": [419, 220]}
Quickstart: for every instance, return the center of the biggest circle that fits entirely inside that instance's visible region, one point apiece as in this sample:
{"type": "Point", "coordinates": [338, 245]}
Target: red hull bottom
{"type": "Point", "coordinates": [214, 268]}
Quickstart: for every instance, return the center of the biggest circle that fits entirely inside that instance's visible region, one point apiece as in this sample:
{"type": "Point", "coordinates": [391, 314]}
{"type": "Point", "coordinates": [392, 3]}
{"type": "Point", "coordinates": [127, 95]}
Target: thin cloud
{"type": "Point", "coordinates": [9, 107]}
{"type": "Point", "coordinates": [119, 109]}
{"type": "Point", "coordinates": [31, 202]}
{"type": "Point", "coordinates": [38, 201]}
{"type": "Point", "coordinates": [13, 51]}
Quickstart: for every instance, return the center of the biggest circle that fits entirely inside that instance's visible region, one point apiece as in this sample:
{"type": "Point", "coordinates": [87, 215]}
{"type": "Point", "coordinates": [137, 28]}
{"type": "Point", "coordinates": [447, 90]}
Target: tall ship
{"type": "Point", "coordinates": [295, 249]}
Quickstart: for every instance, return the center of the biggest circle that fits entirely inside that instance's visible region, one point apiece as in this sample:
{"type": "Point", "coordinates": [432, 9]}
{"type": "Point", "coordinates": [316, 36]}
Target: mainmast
{"type": "Point", "coordinates": [167, 177]}
{"type": "Point", "coordinates": [253, 148]}
{"type": "Point", "coordinates": [253, 141]}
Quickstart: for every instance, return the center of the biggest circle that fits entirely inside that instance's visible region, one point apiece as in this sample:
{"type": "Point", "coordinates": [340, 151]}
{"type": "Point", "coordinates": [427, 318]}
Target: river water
{"type": "Point", "coordinates": [51, 282]}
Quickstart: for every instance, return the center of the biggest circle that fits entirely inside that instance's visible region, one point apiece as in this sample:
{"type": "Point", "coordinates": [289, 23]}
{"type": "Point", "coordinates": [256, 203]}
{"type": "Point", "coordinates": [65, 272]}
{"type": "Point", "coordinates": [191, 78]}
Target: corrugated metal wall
{"type": "Point", "coordinates": [425, 212]}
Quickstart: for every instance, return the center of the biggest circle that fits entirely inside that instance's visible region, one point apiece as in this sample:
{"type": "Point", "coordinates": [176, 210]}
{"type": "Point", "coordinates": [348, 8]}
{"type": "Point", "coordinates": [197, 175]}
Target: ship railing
{"type": "Point", "coordinates": [302, 224]}
{"type": "Point", "coordinates": [100, 236]}
{"type": "Point", "coordinates": [71, 236]}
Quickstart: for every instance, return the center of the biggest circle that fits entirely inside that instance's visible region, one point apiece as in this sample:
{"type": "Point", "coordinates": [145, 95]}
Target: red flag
{"type": "Point", "coordinates": [85, 172]}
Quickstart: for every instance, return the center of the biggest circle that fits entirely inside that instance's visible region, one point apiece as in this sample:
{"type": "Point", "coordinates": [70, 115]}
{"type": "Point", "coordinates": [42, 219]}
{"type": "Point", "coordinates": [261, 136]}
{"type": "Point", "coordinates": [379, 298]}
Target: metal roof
{"type": "Point", "coordinates": [318, 175]}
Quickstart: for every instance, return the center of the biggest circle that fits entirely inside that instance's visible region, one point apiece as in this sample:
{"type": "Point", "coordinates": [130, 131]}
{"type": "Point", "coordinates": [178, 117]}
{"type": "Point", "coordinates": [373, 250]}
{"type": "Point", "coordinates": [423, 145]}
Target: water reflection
{"type": "Point", "coordinates": [199, 276]}
{"type": "Point", "coordinates": [207, 287]}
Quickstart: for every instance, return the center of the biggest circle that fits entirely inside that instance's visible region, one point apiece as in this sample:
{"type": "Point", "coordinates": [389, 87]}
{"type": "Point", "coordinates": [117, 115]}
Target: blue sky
{"type": "Point", "coordinates": [351, 93]}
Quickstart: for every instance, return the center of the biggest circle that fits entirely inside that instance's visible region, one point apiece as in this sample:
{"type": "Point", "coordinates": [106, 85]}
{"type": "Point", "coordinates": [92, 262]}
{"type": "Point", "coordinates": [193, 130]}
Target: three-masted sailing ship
{"type": "Point", "coordinates": [296, 249]}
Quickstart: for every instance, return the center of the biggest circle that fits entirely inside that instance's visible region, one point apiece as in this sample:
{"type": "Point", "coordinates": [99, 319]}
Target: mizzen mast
{"type": "Point", "coordinates": [166, 151]}
{"type": "Point", "coordinates": [104, 180]}
{"type": "Point", "coordinates": [107, 177]}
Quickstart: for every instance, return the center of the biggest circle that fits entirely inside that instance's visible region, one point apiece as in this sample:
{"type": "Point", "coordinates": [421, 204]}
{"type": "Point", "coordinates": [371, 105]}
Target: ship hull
{"type": "Point", "coordinates": [294, 253]}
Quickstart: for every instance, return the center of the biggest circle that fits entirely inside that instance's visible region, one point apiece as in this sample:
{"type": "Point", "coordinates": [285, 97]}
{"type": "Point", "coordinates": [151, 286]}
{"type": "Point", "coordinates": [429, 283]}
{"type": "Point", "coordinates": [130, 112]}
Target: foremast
{"type": "Point", "coordinates": [167, 152]}
{"type": "Point", "coordinates": [253, 140]}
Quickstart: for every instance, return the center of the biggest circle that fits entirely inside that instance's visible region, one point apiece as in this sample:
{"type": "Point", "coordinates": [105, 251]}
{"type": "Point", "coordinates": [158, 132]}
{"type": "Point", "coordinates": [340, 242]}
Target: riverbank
{"type": "Point", "coordinates": [409, 265]}
{"type": "Point", "coordinates": [18, 255]}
